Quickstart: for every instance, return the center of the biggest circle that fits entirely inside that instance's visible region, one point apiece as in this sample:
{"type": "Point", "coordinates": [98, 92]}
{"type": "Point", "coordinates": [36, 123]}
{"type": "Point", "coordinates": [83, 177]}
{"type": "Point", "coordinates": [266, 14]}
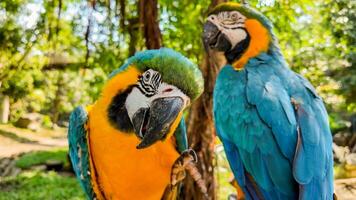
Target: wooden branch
{"type": "Point", "coordinates": [201, 130]}
{"type": "Point", "coordinates": [59, 16]}
{"type": "Point", "coordinates": [133, 29]}
{"type": "Point", "coordinates": [87, 32]}
{"type": "Point", "coordinates": [148, 12]}
{"type": "Point", "coordinates": [122, 15]}
{"type": "Point", "coordinates": [64, 66]}
{"type": "Point", "coordinates": [111, 25]}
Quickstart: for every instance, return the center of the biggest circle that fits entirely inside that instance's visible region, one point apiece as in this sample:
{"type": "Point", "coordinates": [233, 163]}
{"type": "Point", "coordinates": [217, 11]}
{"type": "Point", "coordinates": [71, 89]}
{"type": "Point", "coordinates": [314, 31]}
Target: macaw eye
{"type": "Point", "coordinates": [234, 16]}
{"type": "Point", "coordinates": [147, 76]}
{"type": "Point", "coordinates": [211, 17]}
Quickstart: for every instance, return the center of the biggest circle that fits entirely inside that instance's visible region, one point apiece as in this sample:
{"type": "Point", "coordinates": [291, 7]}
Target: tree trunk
{"type": "Point", "coordinates": [148, 13]}
{"type": "Point", "coordinates": [4, 109]}
{"type": "Point", "coordinates": [201, 130]}
{"type": "Point", "coordinates": [91, 7]}
{"type": "Point", "coordinates": [58, 99]}
{"type": "Point", "coordinates": [121, 13]}
{"type": "Point", "coordinates": [133, 28]}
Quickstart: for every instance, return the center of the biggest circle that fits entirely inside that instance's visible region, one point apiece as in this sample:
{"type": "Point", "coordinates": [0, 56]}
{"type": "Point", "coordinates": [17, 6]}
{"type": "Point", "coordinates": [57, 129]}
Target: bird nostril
{"type": "Point", "coordinates": [167, 90]}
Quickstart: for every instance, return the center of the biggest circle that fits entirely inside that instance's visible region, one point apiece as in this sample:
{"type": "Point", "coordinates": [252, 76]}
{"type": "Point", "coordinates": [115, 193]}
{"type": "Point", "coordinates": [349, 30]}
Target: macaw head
{"type": "Point", "coordinates": [234, 33]}
{"type": "Point", "coordinates": [148, 94]}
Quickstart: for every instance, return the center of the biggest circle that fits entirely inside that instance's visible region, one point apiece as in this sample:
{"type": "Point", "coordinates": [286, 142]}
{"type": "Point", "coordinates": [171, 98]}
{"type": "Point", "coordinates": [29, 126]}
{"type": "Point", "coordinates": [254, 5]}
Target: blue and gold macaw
{"type": "Point", "coordinates": [125, 144]}
{"type": "Point", "coordinates": [272, 123]}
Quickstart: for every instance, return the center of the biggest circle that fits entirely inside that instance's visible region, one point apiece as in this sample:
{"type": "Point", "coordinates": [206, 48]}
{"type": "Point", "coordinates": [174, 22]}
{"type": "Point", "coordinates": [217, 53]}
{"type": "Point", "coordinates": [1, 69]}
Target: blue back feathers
{"type": "Point", "coordinates": [287, 151]}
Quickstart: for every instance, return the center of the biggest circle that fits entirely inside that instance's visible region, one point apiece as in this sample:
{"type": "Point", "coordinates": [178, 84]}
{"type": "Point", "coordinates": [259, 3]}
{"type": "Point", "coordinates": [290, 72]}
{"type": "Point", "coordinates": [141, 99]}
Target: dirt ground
{"type": "Point", "coordinates": [14, 140]}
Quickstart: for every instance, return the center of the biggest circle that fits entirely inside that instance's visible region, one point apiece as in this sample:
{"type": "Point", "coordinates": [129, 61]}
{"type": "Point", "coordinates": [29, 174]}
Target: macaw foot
{"type": "Point", "coordinates": [187, 162]}
{"type": "Point", "coordinates": [186, 158]}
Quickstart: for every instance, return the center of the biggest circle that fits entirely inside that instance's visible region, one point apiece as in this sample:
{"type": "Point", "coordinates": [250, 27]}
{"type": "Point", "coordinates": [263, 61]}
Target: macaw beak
{"type": "Point", "coordinates": [154, 123]}
{"type": "Point", "coordinates": [213, 38]}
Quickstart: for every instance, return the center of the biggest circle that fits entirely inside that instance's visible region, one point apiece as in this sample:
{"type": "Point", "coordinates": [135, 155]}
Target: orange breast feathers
{"type": "Point", "coordinates": [122, 171]}
{"type": "Point", "coordinates": [259, 42]}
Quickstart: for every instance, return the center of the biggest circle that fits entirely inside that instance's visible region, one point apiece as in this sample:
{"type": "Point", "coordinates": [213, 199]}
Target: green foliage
{"type": "Point", "coordinates": [337, 123]}
{"type": "Point", "coordinates": [47, 122]}
{"type": "Point", "coordinates": [19, 84]}
{"type": "Point", "coordinates": [41, 157]}
{"type": "Point", "coordinates": [342, 25]}
{"type": "Point", "coordinates": [40, 185]}
{"type": "Point", "coordinates": [50, 63]}
{"type": "Point", "coordinates": [182, 23]}
{"type": "Point", "coordinates": [10, 32]}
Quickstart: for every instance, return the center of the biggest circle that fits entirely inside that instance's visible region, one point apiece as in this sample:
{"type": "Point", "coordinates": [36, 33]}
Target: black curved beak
{"type": "Point", "coordinates": [153, 124]}
{"type": "Point", "coordinates": [213, 38]}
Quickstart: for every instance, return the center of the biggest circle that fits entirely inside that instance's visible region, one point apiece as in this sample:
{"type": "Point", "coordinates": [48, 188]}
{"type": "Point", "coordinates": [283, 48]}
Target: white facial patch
{"type": "Point", "coordinates": [231, 24]}
{"type": "Point", "coordinates": [148, 88]}
{"type": "Point", "coordinates": [167, 90]}
{"type": "Point", "coordinates": [235, 36]}
{"type": "Point", "coordinates": [136, 100]}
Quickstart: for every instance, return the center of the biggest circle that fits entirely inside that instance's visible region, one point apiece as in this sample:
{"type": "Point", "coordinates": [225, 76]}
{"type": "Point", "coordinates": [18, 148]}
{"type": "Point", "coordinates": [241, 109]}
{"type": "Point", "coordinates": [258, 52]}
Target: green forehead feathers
{"type": "Point", "coordinates": [173, 66]}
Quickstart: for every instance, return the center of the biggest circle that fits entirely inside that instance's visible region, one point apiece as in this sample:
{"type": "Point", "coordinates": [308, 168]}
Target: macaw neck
{"type": "Point", "coordinates": [273, 58]}
{"type": "Point", "coordinates": [261, 40]}
{"type": "Point", "coordinates": [272, 52]}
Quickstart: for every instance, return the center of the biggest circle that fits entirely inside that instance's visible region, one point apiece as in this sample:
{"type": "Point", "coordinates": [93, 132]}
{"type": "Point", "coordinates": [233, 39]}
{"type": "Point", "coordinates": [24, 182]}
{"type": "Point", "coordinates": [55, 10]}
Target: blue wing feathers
{"type": "Point", "coordinates": [251, 136]}
{"type": "Point", "coordinates": [238, 169]}
{"type": "Point", "coordinates": [254, 112]}
{"type": "Point", "coordinates": [78, 149]}
{"type": "Point", "coordinates": [270, 109]}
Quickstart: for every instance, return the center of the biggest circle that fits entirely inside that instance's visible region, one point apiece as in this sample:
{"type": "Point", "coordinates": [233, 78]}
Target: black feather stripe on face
{"type": "Point", "coordinates": [156, 80]}
{"type": "Point", "coordinates": [117, 112]}
{"type": "Point", "coordinates": [236, 53]}
{"type": "Point", "coordinates": [149, 86]}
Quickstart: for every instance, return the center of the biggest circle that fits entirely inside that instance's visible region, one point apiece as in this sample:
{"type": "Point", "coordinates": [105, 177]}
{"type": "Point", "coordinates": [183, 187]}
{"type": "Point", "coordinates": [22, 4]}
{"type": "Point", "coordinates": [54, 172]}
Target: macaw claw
{"type": "Point", "coordinates": [186, 158]}
{"type": "Point", "coordinates": [187, 162]}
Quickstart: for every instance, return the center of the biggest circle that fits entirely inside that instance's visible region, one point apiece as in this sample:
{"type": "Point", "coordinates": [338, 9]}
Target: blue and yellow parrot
{"type": "Point", "coordinates": [272, 123]}
{"type": "Point", "coordinates": [125, 144]}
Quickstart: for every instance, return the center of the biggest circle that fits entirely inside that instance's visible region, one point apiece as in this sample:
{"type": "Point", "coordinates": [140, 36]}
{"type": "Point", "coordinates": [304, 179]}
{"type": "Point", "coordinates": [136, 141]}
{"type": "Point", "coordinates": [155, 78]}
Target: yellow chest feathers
{"type": "Point", "coordinates": [124, 172]}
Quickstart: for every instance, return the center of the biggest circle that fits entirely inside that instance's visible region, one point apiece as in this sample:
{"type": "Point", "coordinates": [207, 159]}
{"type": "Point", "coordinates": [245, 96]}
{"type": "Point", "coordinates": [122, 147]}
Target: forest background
{"type": "Point", "coordinates": [56, 55]}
